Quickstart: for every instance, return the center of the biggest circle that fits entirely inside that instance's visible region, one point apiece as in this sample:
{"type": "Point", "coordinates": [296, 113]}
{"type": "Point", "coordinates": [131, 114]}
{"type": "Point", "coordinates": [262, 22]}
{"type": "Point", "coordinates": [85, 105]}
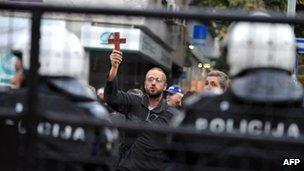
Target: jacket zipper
{"type": "Point", "coordinates": [148, 115]}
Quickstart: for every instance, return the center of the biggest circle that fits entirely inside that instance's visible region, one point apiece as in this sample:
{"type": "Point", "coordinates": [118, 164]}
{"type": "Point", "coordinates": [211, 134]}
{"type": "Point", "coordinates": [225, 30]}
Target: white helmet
{"type": "Point", "coordinates": [10, 28]}
{"type": "Point", "coordinates": [260, 45]}
{"type": "Point", "coordinates": [61, 52]}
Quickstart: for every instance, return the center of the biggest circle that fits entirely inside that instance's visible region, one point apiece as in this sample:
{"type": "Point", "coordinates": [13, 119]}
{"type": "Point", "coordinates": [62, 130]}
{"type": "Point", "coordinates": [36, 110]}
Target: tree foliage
{"type": "Point", "coordinates": [224, 4]}
{"type": "Point", "coordinates": [274, 5]}
{"type": "Point", "coordinates": [220, 28]}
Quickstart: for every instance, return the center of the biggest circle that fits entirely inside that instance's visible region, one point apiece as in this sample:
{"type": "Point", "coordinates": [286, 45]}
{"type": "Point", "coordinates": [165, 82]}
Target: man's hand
{"type": "Point", "coordinates": [116, 59]}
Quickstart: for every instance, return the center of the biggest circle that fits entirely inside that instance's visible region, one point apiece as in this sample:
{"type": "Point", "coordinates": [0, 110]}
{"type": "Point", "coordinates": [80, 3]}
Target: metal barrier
{"type": "Point", "coordinates": [37, 10]}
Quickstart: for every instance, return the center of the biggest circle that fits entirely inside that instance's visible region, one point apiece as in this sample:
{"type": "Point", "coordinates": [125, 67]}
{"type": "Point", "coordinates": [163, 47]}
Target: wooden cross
{"type": "Point", "coordinates": [116, 41]}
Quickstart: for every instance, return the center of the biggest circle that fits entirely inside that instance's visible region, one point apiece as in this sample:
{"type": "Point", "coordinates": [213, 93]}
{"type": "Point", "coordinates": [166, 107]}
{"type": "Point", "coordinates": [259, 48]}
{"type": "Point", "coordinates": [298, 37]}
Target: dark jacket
{"type": "Point", "coordinates": [59, 145]}
{"type": "Point", "coordinates": [146, 151]}
{"type": "Point", "coordinates": [247, 135]}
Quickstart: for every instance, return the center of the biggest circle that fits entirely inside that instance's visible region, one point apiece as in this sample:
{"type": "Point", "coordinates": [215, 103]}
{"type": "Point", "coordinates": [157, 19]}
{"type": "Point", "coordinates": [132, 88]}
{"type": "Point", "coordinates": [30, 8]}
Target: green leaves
{"type": "Point", "coordinates": [219, 28]}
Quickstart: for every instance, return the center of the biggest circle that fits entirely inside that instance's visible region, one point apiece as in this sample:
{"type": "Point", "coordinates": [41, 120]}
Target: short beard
{"type": "Point", "coordinates": [155, 96]}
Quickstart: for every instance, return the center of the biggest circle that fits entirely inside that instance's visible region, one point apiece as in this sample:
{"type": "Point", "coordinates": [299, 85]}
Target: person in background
{"type": "Point", "coordinates": [174, 96]}
{"type": "Point", "coordinates": [19, 78]}
{"type": "Point", "coordinates": [188, 95]}
{"type": "Point", "coordinates": [217, 82]}
{"type": "Point", "coordinates": [100, 94]}
{"type": "Point", "coordinates": [101, 99]}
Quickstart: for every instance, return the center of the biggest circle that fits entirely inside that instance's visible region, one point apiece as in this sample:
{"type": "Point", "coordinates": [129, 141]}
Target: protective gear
{"type": "Point", "coordinates": [62, 101]}
{"type": "Point", "coordinates": [262, 57]}
{"type": "Point", "coordinates": [58, 145]}
{"type": "Point", "coordinates": [261, 45]}
{"type": "Point", "coordinates": [259, 114]}
{"type": "Point", "coordinates": [267, 86]}
{"type": "Point", "coordinates": [11, 29]}
{"type": "Point", "coordinates": [244, 135]}
{"type": "Point", "coordinates": [61, 52]}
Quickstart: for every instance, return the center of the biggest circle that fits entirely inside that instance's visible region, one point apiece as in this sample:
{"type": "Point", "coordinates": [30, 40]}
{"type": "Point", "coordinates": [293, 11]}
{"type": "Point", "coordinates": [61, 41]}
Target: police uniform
{"type": "Point", "coordinates": [63, 99]}
{"type": "Point", "coordinates": [59, 145]}
{"type": "Point", "coordinates": [242, 135]}
{"type": "Point", "coordinates": [258, 122]}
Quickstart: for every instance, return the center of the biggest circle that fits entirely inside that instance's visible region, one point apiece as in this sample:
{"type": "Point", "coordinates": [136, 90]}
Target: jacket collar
{"type": "Point", "coordinates": [161, 106]}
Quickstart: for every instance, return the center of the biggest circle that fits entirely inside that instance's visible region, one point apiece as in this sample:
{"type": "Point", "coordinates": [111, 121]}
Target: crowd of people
{"type": "Point", "coordinates": [156, 104]}
{"type": "Point", "coordinates": [160, 103]}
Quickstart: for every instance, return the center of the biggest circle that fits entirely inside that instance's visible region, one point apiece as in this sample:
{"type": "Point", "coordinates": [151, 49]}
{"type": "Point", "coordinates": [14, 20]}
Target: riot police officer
{"type": "Point", "coordinates": [61, 143]}
{"type": "Point", "coordinates": [258, 121]}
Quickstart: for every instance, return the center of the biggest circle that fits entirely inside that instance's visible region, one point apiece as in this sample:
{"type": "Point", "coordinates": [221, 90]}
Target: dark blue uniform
{"type": "Point", "coordinates": [59, 145]}
{"type": "Point", "coordinates": [243, 132]}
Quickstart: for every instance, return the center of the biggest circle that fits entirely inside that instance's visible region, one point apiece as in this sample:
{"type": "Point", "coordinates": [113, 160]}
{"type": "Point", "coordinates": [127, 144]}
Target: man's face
{"type": "Point", "coordinates": [155, 83]}
{"type": "Point", "coordinates": [174, 100]}
{"type": "Point", "coordinates": [19, 77]}
{"type": "Point", "coordinates": [212, 82]}
{"type": "Point", "coordinates": [100, 94]}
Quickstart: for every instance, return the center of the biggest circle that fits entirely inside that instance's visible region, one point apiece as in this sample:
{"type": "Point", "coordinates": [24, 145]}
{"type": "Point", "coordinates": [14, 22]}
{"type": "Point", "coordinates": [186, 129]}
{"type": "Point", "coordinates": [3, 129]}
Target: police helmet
{"type": "Point", "coordinates": [260, 45]}
{"type": "Point", "coordinates": [262, 57]}
{"type": "Point", "coordinates": [61, 52]}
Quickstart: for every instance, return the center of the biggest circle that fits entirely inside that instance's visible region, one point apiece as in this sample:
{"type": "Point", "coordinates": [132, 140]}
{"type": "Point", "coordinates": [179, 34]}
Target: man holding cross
{"type": "Point", "coordinates": [144, 151]}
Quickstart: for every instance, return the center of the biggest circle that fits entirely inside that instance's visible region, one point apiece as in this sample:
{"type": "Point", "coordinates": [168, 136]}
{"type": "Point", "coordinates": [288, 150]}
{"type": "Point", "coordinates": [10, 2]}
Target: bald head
{"type": "Point", "coordinates": [159, 71]}
{"type": "Point", "coordinates": [155, 82]}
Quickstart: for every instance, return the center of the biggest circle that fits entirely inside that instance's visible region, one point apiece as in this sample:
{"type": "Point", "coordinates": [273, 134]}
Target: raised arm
{"type": "Point", "coordinates": [118, 100]}
{"type": "Point", "coordinates": [116, 59]}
